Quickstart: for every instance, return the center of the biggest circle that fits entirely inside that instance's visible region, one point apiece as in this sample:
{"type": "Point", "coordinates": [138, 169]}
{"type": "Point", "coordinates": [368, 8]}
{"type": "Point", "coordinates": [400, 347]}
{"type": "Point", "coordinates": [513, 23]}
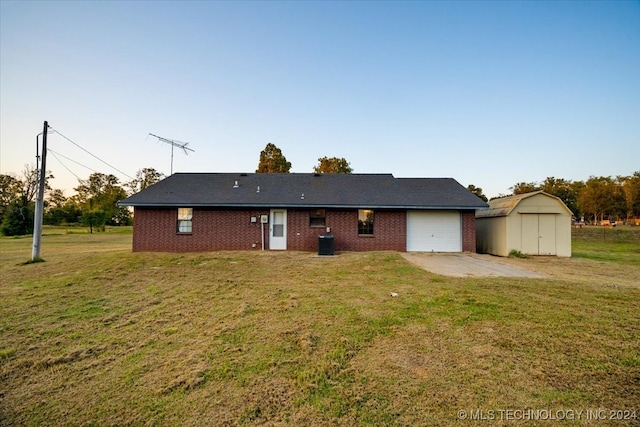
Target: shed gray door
{"type": "Point", "coordinates": [434, 231]}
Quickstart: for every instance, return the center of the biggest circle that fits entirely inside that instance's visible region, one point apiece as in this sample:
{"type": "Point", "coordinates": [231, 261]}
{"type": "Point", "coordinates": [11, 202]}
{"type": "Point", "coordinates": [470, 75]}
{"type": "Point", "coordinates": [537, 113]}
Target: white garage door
{"type": "Point", "coordinates": [434, 231]}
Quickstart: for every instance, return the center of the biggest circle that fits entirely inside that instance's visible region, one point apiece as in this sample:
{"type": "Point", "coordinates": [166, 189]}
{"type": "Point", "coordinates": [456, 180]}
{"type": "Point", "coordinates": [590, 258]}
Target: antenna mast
{"type": "Point", "coordinates": [173, 143]}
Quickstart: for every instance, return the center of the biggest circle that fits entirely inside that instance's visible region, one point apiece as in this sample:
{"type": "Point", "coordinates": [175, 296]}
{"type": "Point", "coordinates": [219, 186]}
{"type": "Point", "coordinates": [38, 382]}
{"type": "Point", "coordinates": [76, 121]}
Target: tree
{"type": "Point", "coordinates": [477, 191]}
{"type": "Point", "coordinates": [53, 207]}
{"type": "Point", "coordinates": [18, 219]}
{"type": "Point", "coordinates": [564, 190]}
{"type": "Point", "coordinates": [69, 213]}
{"type": "Point", "coordinates": [332, 165]}
{"type": "Point", "coordinates": [17, 201]}
{"type": "Point", "coordinates": [55, 199]}
{"type": "Point", "coordinates": [94, 218]}
{"type": "Point", "coordinates": [602, 197]}
{"type": "Point", "coordinates": [145, 177]}
{"type": "Point", "coordinates": [30, 182]}
{"type": "Point", "coordinates": [10, 191]}
{"type": "Point", "coordinates": [59, 209]}
{"type": "Point", "coordinates": [101, 193]}
{"type": "Point", "coordinates": [23, 188]}
{"type": "Point", "coordinates": [631, 189]}
{"type": "Point", "coordinates": [576, 188]}
{"type": "Point", "coordinates": [272, 161]}
{"type": "Point", "coordinates": [524, 187]}
{"type": "Point", "coordinates": [618, 199]}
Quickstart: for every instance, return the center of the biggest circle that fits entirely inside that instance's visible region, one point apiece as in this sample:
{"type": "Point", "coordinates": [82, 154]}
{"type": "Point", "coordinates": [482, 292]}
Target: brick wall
{"type": "Point", "coordinates": [389, 231]}
{"type": "Point", "coordinates": [155, 230]}
{"type": "Point", "coordinates": [468, 231]}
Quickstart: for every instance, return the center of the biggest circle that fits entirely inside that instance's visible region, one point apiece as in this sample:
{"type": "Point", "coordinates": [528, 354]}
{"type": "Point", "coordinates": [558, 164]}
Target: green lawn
{"type": "Point", "coordinates": [97, 335]}
{"type": "Point", "coordinates": [614, 244]}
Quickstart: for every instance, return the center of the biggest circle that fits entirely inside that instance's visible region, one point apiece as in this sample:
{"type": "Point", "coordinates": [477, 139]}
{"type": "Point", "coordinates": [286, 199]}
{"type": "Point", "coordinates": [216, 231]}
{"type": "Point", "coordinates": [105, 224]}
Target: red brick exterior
{"type": "Point", "coordinates": [214, 229]}
{"type": "Point", "coordinates": [468, 231]}
{"type": "Point", "coordinates": [389, 231]}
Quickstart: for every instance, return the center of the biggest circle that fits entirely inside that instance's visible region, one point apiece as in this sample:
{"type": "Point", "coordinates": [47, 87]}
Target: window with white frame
{"type": "Point", "coordinates": [185, 220]}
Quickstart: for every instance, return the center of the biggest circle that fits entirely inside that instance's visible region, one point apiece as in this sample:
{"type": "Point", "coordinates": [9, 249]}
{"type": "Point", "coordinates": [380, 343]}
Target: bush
{"type": "Point", "coordinates": [94, 219]}
{"type": "Point", "coordinates": [517, 254]}
{"type": "Point", "coordinates": [62, 215]}
{"type": "Point", "coordinates": [18, 220]}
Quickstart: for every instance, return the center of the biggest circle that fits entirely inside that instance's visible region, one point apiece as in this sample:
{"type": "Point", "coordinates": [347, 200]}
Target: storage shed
{"type": "Point", "coordinates": [533, 223]}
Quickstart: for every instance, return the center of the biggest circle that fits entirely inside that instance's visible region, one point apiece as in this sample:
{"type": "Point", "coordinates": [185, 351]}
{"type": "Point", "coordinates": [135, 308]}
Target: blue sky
{"type": "Point", "coordinates": [489, 93]}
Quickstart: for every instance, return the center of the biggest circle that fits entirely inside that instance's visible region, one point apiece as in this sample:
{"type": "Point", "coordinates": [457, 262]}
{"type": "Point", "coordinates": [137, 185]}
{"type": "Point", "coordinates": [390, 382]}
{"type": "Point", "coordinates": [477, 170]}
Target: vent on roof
{"type": "Point", "coordinates": [258, 190]}
{"type": "Point", "coordinates": [235, 185]}
{"type": "Point", "coordinates": [302, 196]}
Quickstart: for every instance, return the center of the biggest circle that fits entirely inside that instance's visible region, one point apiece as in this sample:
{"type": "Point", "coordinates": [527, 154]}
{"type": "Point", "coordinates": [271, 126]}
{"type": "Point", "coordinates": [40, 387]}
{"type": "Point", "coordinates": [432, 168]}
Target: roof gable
{"type": "Point", "coordinates": [305, 190]}
{"type": "Point", "coordinates": [505, 205]}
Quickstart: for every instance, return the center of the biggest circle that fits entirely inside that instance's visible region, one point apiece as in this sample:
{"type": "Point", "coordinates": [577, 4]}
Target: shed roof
{"type": "Point", "coordinates": [305, 190]}
{"type": "Point", "coordinates": [505, 205]}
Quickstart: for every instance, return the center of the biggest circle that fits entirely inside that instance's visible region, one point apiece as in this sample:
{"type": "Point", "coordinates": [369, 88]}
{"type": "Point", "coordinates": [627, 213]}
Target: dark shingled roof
{"type": "Point", "coordinates": [286, 190]}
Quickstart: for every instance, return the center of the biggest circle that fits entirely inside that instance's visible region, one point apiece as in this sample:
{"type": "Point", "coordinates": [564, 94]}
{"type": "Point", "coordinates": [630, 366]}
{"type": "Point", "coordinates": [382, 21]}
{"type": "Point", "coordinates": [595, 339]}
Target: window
{"type": "Point", "coordinates": [185, 216]}
{"type": "Point", "coordinates": [278, 223]}
{"type": "Point", "coordinates": [317, 218]}
{"type": "Point", "coordinates": [365, 222]}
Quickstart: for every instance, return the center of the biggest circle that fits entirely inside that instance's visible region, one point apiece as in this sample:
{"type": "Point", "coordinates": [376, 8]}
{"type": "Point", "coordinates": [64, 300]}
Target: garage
{"type": "Point", "coordinates": [534, 223]}
{"type": "Point", "coordinates": [434, 231]}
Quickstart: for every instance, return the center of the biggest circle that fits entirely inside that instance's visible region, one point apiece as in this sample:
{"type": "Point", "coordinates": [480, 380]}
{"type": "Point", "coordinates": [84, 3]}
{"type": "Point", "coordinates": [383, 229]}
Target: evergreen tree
{"type": "Point", "coordinates": [273, 161]}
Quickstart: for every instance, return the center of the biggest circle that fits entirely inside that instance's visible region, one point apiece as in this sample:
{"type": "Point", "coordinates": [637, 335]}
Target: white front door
{"type": "Point", "coordinates": [278, 229]}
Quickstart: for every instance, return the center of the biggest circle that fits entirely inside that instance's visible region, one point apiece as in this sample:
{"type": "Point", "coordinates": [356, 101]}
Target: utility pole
{"type": "Point", "coordinates": [37, 220]}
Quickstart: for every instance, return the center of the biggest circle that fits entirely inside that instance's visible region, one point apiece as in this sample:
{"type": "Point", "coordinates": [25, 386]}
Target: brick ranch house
{"type": "Point", "coordinates": [250, 211]}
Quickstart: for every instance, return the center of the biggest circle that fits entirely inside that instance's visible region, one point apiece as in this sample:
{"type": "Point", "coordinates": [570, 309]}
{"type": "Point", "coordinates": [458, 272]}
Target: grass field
{"type": "Point", "coordinates": [100, 336]}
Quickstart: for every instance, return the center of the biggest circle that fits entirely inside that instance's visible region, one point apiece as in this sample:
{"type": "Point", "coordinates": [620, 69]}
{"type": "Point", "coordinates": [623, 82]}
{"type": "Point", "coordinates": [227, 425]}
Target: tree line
{"type": "Point", "coordinates": [95, 203]}
{"type": "Point", "coordinates": [596, 199]}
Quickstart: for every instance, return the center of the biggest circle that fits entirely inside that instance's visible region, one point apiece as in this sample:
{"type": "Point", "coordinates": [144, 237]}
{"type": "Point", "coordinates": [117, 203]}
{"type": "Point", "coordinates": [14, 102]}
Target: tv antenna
{"type": "Point", "coordinates": [173, 143]}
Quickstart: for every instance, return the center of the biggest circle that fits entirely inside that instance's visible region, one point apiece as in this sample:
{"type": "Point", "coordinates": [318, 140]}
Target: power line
{"type": "Point", "coordinates": [63, 165]}
{"type": "Point", "coordinates": [71, 160]}
{"type": "Point", "coordinates": [53, 153]}
{"type": "Point", "coordinates": [93, 155]}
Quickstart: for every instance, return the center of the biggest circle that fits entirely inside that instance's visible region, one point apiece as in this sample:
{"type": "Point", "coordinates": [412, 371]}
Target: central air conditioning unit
{"type": "Point", "coordinates": [264, 219]}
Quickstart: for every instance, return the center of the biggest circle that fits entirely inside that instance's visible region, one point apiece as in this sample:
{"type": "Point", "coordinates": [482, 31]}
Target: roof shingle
{"type": "Point", "coordinates": [305, 190]}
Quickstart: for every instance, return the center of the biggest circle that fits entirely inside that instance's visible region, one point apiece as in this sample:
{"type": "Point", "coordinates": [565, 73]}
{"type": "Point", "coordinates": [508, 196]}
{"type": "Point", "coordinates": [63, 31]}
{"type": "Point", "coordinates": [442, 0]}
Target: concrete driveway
{"type": "Point", "coordinates": [467, 265]}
